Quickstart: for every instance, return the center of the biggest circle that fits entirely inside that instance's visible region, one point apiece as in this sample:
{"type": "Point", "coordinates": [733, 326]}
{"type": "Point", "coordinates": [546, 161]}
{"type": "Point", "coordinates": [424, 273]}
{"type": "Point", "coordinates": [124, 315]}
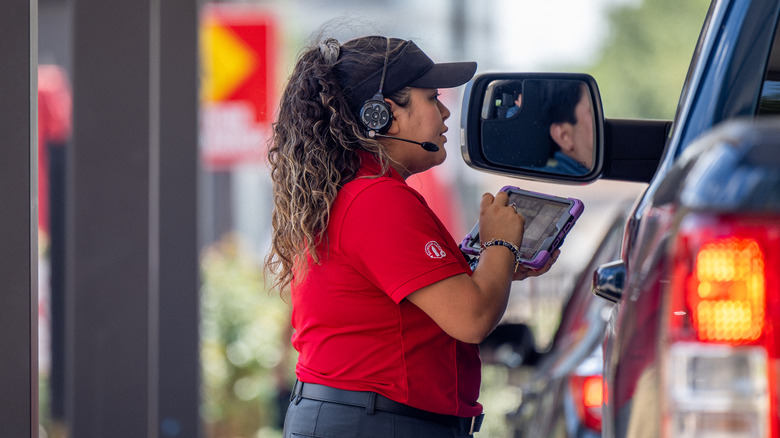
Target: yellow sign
{"type": "Point", "coordinates": [227, 61]}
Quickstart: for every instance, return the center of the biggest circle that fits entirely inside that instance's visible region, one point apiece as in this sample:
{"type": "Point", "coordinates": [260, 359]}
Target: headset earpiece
{"type": "Point", "coordinates": [375, 113]}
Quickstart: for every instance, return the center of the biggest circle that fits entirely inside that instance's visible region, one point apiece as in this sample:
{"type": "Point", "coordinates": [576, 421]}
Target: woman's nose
{"type": "Point", "coordinates": [445, 112]}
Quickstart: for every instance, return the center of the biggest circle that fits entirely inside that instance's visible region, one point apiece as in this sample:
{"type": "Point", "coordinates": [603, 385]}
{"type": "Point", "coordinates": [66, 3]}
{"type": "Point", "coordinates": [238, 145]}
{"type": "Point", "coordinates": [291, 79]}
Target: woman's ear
{"type": "Point", "coordinates": [395, 122]}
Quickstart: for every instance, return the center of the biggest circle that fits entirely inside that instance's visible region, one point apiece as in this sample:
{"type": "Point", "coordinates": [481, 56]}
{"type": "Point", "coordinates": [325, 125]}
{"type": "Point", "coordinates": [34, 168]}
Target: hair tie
{"type": "Point", "coordinates": [329, 50]}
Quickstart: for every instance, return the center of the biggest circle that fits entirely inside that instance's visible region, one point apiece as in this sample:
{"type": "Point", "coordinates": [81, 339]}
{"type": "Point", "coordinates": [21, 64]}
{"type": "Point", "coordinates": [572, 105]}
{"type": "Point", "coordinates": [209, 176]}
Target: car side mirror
{"type": "Point", "coordinates": [535, 125]}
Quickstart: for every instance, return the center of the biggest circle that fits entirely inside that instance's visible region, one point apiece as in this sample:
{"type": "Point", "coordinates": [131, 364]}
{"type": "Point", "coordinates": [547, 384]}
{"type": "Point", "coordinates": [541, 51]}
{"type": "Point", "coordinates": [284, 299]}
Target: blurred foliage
{"type": "Point", "coordinates": [246, 354]}
{"type": "Point", "coordinates": [500, 395]}
{"type": "Point", "coordinates": [642, 66]}
{"type": "Point", "coordinates": [47, 426]}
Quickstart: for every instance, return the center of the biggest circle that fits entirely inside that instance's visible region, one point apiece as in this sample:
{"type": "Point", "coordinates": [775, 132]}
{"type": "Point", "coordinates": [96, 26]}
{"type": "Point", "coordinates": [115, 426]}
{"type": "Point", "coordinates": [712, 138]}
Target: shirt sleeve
{"type": "Point", "coordinates": [395, 241]}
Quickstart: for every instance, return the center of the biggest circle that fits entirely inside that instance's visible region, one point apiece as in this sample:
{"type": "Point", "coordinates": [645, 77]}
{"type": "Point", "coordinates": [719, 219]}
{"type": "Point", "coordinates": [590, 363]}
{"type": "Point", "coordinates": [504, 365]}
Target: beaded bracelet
{"type": "Point", "coordinates": [509, 245]}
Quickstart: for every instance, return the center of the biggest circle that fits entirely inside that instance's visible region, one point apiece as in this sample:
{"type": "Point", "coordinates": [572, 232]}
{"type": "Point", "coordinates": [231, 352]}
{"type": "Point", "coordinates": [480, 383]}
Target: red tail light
{"type": "Point", "coordinates": [721, 345]}
{"type": "Point", "coordinates": [726, 292]}
{"type": "Point", "coordinates": [587, 394]}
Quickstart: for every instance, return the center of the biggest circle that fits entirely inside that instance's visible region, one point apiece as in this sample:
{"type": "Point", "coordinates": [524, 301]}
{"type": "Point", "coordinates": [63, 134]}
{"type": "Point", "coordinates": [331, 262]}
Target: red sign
{"type": "Point", "coordinates": [237, 94]}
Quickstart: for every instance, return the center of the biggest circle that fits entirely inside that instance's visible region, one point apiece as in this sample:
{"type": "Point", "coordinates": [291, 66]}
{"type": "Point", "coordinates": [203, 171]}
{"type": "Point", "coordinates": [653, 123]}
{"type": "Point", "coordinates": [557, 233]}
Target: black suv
{"type": "Point", "coordinates": [692, 347]}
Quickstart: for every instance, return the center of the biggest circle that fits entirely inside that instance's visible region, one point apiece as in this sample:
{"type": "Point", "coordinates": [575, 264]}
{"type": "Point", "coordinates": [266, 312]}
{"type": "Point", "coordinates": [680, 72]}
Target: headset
{"type": "Point", "coordinates": [375, 114]}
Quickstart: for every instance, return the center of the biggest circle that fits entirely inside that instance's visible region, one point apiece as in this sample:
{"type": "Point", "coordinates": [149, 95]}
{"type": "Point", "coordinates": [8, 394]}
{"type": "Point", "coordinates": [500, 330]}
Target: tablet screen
{"type": "Point", "coordinates": [541, 218]}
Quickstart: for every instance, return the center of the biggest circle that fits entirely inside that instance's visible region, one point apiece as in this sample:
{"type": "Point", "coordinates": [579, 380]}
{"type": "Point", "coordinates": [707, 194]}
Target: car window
{"type": "Point", "coordinates": [769, 104]}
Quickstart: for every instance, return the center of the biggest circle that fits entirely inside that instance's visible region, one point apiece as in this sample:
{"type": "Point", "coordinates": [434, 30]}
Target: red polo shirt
{"type": "Point", "coordinates": [355, 330]}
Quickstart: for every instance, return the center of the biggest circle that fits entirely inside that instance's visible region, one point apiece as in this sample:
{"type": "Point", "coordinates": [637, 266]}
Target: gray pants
{"type": "Point", "coordinates": [312, 418]}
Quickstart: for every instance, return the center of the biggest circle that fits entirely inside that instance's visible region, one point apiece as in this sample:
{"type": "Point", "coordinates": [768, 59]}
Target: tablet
{"type": "Point", "coordinates": [548, 219]}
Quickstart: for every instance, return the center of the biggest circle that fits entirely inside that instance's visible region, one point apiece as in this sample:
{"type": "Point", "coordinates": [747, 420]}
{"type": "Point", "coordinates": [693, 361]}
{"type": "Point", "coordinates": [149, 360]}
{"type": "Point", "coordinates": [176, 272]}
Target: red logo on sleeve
{"type": "Point", "coordinates": [434, 250]}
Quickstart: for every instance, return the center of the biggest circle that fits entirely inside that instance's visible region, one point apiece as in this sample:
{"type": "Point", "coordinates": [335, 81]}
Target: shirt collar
{"type": "Point", "coordinates": [370, 166]}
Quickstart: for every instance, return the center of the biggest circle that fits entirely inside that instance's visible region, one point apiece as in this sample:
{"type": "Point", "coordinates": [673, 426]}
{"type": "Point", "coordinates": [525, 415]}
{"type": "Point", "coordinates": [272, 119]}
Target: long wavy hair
{"type": "Point", "coordinates": [314, 147]}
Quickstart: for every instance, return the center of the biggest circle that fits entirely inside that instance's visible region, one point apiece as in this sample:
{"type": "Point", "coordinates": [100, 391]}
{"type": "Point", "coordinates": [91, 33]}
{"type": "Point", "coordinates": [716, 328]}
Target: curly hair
{"type": "Point", "coordinates": [314, 147]}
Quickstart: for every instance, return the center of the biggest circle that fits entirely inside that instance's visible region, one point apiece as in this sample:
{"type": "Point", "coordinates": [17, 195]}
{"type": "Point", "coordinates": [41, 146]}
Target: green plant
{"type": "Point", "coordinates": [245, 346]}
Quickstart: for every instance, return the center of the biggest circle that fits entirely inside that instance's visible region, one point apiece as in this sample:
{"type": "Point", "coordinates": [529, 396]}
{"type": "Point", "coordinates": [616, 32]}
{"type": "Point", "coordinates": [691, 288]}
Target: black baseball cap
{"type": "Point", "coordinates": [407, 66]}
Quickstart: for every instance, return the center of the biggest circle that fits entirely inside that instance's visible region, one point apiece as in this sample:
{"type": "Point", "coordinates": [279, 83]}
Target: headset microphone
{"type": "Point", "coordinates": [427, 145]}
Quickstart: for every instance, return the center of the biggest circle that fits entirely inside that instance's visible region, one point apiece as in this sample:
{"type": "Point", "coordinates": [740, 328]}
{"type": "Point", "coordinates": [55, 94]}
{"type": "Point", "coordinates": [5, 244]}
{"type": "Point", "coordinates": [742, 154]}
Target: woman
{"type": "Point", "coordinates": [387, 313]}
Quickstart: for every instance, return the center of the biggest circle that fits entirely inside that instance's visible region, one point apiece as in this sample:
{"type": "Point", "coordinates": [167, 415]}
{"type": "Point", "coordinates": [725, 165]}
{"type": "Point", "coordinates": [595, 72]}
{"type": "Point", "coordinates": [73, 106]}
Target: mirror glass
{"type": "Point", "coordinates": [541, 124]}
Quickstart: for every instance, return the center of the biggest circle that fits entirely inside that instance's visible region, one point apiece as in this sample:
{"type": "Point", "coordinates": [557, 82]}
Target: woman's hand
{"type": "Point", "coordinates": [524, 272]}
{"type": "Point", "coordinates": [497, 220]}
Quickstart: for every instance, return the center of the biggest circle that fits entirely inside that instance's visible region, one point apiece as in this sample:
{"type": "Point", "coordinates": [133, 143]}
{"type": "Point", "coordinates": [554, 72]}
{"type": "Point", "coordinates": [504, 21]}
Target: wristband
{"type": "Point", "coordinates": [509, 245]}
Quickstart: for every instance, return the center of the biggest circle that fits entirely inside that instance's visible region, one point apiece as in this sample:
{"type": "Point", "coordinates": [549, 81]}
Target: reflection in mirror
{"type": "Point", "coordinates": [542, 124]}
